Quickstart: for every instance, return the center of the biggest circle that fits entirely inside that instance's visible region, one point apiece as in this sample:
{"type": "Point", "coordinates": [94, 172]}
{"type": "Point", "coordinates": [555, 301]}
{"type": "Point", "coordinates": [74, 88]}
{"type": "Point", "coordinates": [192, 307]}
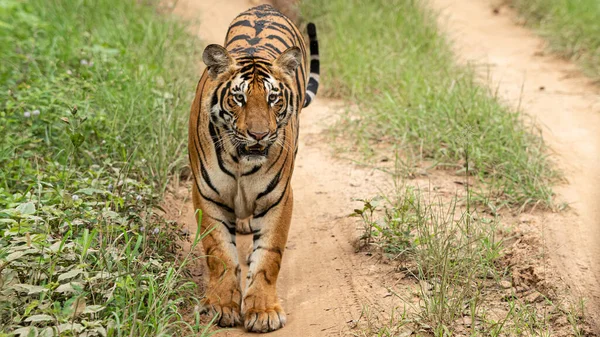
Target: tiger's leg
{"type": "Point", "coordinates": [261, 308]}
{"type": "Point", "coordinates": [244, 226]}
{"type": "Point", "coordinates": [223, 293]}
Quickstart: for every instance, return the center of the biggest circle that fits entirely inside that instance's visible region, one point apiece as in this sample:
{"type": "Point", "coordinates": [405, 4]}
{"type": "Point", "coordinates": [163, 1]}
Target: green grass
{"type": "Point", "coordinates": [413, 101]}
{"type": "Point", "coordinates": [389, 58]}
{"type": "Point", "coordinates": [572, 28]}
{"type": "Point", "coordinates": [455, 255]}
{"type": "Point", "coordinates": [94, 99]}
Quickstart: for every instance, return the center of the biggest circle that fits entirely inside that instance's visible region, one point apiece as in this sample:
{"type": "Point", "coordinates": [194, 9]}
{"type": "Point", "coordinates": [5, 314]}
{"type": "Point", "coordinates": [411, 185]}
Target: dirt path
{"type": "Point", "coordinates": [323, 284]}
{"type": "Point", "coordinates": [567, 108]}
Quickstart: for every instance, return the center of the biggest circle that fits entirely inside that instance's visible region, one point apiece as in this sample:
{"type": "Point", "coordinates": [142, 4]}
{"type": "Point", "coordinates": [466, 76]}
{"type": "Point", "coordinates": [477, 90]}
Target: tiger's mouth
{"type": "Point", "coordinates": [253, 150]}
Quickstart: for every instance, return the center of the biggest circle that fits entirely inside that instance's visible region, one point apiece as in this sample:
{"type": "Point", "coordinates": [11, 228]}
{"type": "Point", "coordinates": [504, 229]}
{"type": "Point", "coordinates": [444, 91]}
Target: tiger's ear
{"type": "Point", "coordinates": [217, 59]}
{"type": "Point", "coordinates": [289, 60]}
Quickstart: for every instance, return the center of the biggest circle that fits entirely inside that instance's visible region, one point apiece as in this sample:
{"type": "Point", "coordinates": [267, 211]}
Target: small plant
{"type": "Point", "coordinates": [91, 122]}
{"type": "Point", "coordinates": [367, 215]}
{"type": "Point", "coordinates": [392, 233]}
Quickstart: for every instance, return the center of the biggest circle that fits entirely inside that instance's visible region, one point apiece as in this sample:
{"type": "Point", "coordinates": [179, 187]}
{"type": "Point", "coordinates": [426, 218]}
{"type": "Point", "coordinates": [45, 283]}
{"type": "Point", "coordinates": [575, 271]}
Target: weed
{"type": "Point", "coordinates": [94, 96]}
{"type": "Point", "coordinates": [389, 59]}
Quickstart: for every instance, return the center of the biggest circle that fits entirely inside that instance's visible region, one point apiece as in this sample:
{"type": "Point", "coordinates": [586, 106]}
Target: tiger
{"type": "Point", "coordinates": [243, 141]}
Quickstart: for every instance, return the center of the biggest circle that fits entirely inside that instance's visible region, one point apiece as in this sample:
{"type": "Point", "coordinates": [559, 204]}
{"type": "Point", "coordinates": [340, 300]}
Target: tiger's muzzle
{"type": "Point", "coordinates": [255, 150]}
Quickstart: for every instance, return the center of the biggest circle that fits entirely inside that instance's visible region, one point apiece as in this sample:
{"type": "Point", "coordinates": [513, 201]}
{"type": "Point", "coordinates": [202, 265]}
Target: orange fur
{"type": "Point", "coordinates": [254, 87]}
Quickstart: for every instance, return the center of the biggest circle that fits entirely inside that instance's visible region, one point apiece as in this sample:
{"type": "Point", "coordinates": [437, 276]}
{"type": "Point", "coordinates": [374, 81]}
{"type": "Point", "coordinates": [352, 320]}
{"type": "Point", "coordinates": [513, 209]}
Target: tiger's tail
{"type": "Point", "coordinates": [313, 80]}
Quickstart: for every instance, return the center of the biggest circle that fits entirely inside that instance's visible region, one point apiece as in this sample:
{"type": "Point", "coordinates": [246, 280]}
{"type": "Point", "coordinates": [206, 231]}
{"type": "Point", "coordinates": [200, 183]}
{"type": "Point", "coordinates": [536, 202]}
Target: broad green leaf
{"type": "Point", "coordinates": [31, 289]}
{"type": "Point", "coordinates": [92, 309]}
{"type": "Point", "coordinates": [90, 191]}
{"type": "Point", "coordinates": [68, 287]}
{"type": "Point", "coordinates": [77, 139]}
{"type": "Point", "coordinates": [70, 327]}
{"type": "Point", "coordinates": [49, 332]}
{"type": "Point", "coordinates": [70, 274]}
{"type": "Point", "coordinates": [17, 255]}
{"type": "Point", "coordinates": [39, 318]}
{"type": "Point", "coordinates": [28, 331]}
{"type": "Point", "coordinates": [100, 330]}
{"type": "Point", "coordinates": [27, 208]}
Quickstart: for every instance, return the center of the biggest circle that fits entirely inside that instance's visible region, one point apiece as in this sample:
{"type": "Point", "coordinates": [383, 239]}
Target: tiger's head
{"type": "Point", "coordinates": [253, 99]}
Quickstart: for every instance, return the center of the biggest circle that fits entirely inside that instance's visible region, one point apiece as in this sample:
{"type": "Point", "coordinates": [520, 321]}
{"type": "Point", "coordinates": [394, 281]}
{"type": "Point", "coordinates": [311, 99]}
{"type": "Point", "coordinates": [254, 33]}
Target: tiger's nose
{"type": "Point", "coordinates": [258, 135]}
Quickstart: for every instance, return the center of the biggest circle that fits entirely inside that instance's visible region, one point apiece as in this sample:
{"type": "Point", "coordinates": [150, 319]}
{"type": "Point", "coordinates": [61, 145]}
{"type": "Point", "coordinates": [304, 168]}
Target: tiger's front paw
{"type": "Point", "coordinates": [228, 314]}
{"type": "Point", "coordinates": [263, 313]}
{"type": "Point", "coordinates": [224, 302]}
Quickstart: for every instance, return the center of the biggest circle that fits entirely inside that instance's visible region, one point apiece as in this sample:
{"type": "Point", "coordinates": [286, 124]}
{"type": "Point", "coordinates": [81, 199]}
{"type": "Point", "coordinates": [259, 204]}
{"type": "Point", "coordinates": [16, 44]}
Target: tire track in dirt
{"type": "Point", "coordinates": [567, 108]}
{"type": "Point", "coordinates": [323, 283]}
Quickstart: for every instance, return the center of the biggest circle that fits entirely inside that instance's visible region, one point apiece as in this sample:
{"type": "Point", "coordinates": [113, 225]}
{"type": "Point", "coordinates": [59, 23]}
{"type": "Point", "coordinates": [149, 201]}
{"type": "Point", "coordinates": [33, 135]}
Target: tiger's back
{"type": "Point", "coordinates": [243, 139]}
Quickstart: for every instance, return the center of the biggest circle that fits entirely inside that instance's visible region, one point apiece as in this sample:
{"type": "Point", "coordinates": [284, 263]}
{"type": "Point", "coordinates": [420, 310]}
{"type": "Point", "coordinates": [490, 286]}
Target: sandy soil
{"type": "Point", "coordinates": [324, 284]}
{"type": "Point", "coordinates": [565, 105]}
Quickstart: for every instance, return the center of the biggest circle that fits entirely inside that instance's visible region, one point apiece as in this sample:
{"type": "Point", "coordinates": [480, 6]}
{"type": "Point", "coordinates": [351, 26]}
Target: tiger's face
{"type": "Point", "coordinates": [253, 99]}
{"type": "Point", "coordinates": [253, 111]}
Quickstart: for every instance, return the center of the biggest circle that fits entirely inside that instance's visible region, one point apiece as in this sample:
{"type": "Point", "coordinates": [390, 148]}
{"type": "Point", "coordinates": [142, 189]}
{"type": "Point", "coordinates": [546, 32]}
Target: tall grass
{"type": "Point", "coordinates": [94, 98]}
{"type": "Point", "coordinates": [572, 28]}
{"type": "Point", "coordinates": [389, 58]}
{"type": "Point", "coordinates": [458, 259]}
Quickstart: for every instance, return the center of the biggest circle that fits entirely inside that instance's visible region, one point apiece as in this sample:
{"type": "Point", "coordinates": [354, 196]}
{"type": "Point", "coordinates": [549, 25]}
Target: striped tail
{"type": "Point", "coordinates": [313, 80]}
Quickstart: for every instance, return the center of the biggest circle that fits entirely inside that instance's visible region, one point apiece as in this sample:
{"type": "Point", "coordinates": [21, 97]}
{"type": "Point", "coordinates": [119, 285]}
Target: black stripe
{"type": "Point", "coordinates": [218, 148]}
{"type": "Point", "coordinates": [254, 41]}
{"type": "Point", "coordinates": [220, 204]}
{"type": "Point", "coordinates": [245, 37]}
{"type": "Point", "coordinates": [313, 85]}
{"type": "Point", "coordinates": [259, 25]}
{"type": "Point", "coordinates": [289, 30]}
{"type": "Point", "coordinates": [254, 170]}
{"type": "Point", "coordinates": [263, 74]}
{"type": "Point", "coordinates": [242, 60]}
{"type": "Point", "coordinates": [314, 66]}
{"type": "Point", "coordinates": [311, 29]}
{"type": "Point", "coordinates": [206, 178]}
{"type": "Point", "coordinates": [243, 23]}
{"type": "Point", "coordinates": [278, 38]}
{"type": "Point", "coordinates": [225, 223]}
{"type": "Point", "coordinates": [197, 144]}
{"type": "Point", "coordinates": [247, 68]}
{"type": "Point", "coordinates": [279, 30]}
{"type": "Point", "coordinates": [280, 152]}
{"type": "Point", "coordinates": [299, 92]}
{"type": "Point", "coordinates": [271, 186]}
{"type": "Point", "coordinates": [231, 230]}
{"type": "Point", "coordinates": [264, 272]}
{"type": "Point", "coordinates": [263, 213]}
{"type": "Point", "coordinates": [307, 101]}
{"type": "Point", "coordinates": [272, 47]}
{"type": "Point", "coordinates": [272, 250]}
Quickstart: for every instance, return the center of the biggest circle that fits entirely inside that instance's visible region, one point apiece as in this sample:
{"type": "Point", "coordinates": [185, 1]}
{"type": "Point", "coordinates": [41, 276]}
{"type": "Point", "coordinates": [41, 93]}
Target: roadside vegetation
{"type": "Point", "coordinates": [571, 27]}
{"type": "Point", "coordinates": [389, 58]}
{"type": "Point", "coordinates": [94, 98]}
{"type": "Point", "coordinates": [412, 101]}
{"type": "Point", "coordinates": [470, 274]}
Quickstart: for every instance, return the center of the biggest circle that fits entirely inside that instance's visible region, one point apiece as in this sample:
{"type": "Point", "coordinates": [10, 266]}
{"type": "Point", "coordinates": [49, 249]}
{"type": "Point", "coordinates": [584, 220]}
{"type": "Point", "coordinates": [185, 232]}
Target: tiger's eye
{"type": "Point", "coordinates": [239, 98]}
{"type": "Point", "coordinates": [272, 98]}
